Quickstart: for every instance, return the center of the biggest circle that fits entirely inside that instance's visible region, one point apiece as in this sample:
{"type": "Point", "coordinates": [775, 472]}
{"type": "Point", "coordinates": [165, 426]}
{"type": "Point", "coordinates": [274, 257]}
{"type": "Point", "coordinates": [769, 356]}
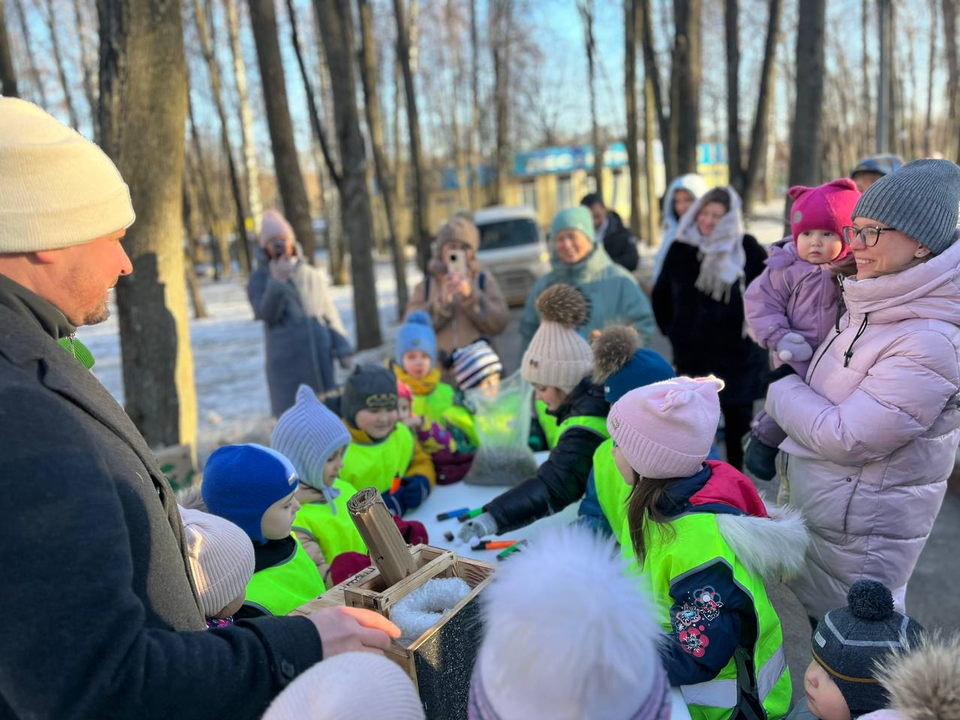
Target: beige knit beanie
{"type": "Point", "coordinates": [57, 188]}
{"type": "Point", "coordinates": [558, 356]}
{"type": "Point", "coordinates": [351, 686]}
{"type": "Point", "coordinates": [221, 559]}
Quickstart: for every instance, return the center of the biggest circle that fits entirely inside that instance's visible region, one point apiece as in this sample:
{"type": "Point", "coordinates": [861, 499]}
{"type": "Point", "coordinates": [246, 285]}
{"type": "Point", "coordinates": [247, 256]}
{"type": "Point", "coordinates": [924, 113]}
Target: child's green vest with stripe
{"type": "Point", "coordinates": [612, 490]}
{"type": "Point", "coordinates": [440, 406]}
{"type": "Point", "coordinates": [376, 465]}
{"type": "Point", "coordinates": [335, 533]}
{"type": "Point", "coordinates": [552, 430]}
{"type": "Point", "coordinates": [286, 586]}
{"type": "Point", "coordinates": [691, 543]}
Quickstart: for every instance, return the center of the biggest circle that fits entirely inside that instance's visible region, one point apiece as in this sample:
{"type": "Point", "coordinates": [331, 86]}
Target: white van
{"type": "Point", "coordinates": [512, 247]}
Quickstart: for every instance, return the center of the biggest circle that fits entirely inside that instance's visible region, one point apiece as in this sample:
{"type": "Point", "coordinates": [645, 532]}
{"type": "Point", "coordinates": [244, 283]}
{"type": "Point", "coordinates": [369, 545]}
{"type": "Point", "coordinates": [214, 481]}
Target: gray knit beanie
{"type": "Point", "coordinates": [921, 200]}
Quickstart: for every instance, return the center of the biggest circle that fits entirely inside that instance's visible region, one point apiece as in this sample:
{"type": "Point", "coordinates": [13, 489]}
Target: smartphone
{"type": "Point", "coordinates": [457, 263]}
{"type": "Point", "coordinates": [279, 248]}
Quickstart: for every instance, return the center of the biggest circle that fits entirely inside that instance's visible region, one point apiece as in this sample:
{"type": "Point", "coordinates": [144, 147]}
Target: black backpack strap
{"type": "Point", "coordinates": [481, 280]}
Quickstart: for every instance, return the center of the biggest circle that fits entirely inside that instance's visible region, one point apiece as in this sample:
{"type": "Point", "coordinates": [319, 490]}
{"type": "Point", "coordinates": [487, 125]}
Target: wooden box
{"type": "Point", "coordinates": [440, 662]}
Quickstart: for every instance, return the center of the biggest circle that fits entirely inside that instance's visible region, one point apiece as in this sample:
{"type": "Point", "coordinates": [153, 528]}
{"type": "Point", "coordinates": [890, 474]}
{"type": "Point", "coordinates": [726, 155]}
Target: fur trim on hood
{"type": "Point", "coordinates": [191, 499]}
{"type": "Point", "coordinates": [770, 546]}
{"type": "Point", "coordinates": [924, 679]}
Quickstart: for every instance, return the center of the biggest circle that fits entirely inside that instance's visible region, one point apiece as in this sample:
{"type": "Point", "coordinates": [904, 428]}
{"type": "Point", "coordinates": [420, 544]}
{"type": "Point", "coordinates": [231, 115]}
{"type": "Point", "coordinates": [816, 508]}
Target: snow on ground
{"type": "Point", "coordinates": [228, 355]}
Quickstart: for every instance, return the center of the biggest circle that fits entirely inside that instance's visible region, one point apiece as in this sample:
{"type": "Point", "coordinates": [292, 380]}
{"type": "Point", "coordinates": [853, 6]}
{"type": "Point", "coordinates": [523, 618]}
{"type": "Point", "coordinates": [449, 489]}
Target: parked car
{"type": "Point", "coordinates": [514, 248]}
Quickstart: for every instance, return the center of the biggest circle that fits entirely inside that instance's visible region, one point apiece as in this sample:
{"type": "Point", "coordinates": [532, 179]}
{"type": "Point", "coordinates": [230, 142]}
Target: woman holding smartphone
{"type": "Point", "coordinates": [464, 302]}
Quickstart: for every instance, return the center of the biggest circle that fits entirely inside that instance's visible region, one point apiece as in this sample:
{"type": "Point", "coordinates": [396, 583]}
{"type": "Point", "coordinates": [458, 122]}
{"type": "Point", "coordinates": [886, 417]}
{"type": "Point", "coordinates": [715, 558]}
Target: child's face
{"type": "Point", "coordinates": [416, 363]}
{"type": "Point", "coordinates": [682, 200]}
{"type": "Point", "coordinates": [333, 466]}
{"type": "Point", "coordinates": [490, 384]}
{"type": "Point", "coordinates": [818, 246]}
{"type": "Point", "coordinates": [377, 423]}
{"type": "Point", "coordinates": [278, 519]}
{"type": "Point", "coordinates": [234, 607]}
{"type": "Point", "coordinates": [552, 396]}
{"type": "Point", "coordinates": [824, 699]}
{"type": "Point", "coordinates": [626, 470]}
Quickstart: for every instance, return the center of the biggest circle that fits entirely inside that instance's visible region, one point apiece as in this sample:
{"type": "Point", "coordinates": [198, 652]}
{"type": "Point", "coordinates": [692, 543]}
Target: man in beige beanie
{"type": "Point", "coordinates": [101, 617]}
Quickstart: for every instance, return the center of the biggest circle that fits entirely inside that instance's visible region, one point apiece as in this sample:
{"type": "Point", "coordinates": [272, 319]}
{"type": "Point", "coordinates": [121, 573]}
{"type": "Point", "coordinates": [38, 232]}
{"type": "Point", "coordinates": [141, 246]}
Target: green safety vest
{"type": "Point", "coordinates": [377, 464]}
{"type": "Point", "coordinates": [548, 423]}
{"type": "Point", "coordinates": [552, 430]}
{"type": "Point", "coordinates": [440, 407]}
{"type": "Point", "coordinates": [334, 533]}
{"type": "Point", "coordinates": [283, 588]}
{"type": "Point", "coordinates": [697, 543]}
{"type": "Point", "coordinates": [612, 490]}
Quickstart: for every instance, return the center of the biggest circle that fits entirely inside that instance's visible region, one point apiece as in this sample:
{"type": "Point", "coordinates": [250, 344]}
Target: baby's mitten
{"type": "Point", "coordinates": [792, 346]}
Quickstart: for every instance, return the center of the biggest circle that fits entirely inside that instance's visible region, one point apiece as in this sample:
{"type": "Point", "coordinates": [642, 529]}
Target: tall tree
{"type": "Point", "coordinates": [371, 101]}
{"type": "Point", "coordinates": [296, 207]}
{"type": "Point", "coordinates": [334, 19]}
{"type": "Point", "coordinates": [586, 9]}
{"type": "Point", "coordinates": [475, 154]}
{"type": "Point", "coordinates": [142, 106]}
{"type": "Point", "coordinates": [931, 68]}
{"type": "Point", "coordinates": [500, 19]}
{"type": "Point", "coordinates": [652, 76]}
{"type": "Point", "coordinates": [632, 11]}
{"type": "Point", "coordinates": [8, 77]}
{"type": "Point", "coordinates": [61, 69]}
{"type": "Point", "coordinates": [222, 265]}
{"type": "Point", "coordinates": [413, 129]}
{"type": "Point", "coordinates": [685, 85]}
{"type": "Point", "coordinates": [206, 47]}
{"type": "Point", "coordinates": [807, 135]}
{"type": "Point", "coordinates": [190, 256]}
{"type": "Point", "coordinates": [31, 57]}
{"type": "Point", "coordinates": [247, 138]}
{"type": "Point", "coordinates": [734, 153]}
{"type": "Point", "coordinates": [649, 158]}
{"type": "Point", "coordinates": [87, 63]}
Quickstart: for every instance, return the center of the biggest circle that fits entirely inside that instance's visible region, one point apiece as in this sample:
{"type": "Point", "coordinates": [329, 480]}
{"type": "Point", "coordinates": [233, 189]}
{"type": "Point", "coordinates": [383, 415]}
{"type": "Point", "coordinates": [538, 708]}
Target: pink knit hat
{"type": "Point", "coordinates": [274, 226]}
{"type": "Point", "coordinates": [825, 207]}
{"type": "Point", "coordinates": [665, 430]}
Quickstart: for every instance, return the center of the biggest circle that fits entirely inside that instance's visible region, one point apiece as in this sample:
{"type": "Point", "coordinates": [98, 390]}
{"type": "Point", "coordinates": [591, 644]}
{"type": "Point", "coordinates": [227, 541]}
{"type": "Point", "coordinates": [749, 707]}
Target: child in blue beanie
{"type": "Point", "coordinates": [255, 488]}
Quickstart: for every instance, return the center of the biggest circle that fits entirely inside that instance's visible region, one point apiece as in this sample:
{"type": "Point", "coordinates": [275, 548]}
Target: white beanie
{"type": "Point", "coordinates": [352, 686]}
{"type": "Point", "coordinates": [558, 356]}
{"type": "Point", "coordinates": [57, 188]}
{"type": "Point", "coordinates": [221, 559]}
{"type": "Point", "coordinates": [568, 634]}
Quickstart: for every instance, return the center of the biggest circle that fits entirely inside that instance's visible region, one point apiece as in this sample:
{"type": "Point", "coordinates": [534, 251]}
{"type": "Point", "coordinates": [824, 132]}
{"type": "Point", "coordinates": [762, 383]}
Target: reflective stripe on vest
{"type": "Point", "coordinates": [594, 423]}
{"type": "Point", "coordinates": [284, 587]}
{"type": "Point", "coordinates": [695, 544]}
{"type": "Point", "coordinates": [548, 423]}
{"type": "Point", "coordinates": [612, 490]}
{"type": "Point", "coordinates": [334, 533]}
{"type": "Point", "coordinates": [377, 464]}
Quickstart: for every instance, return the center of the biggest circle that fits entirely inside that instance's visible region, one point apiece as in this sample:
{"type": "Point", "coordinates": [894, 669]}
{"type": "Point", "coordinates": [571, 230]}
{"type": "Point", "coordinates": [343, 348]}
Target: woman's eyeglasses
{"type": "Point", "coordinates": [869, 236]}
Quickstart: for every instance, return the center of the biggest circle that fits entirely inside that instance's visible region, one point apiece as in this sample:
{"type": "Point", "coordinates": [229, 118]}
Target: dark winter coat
{"type": "Point", "coordinates": [100, 616]}
{"type": "Point", "coordinates": [562, 478]}
{"type": "Point", "coordinates": [303, 334]}
{"type": "Point", "coordinates": [708, 335]}
{"type": "Point", "coordinates": [620, 245]}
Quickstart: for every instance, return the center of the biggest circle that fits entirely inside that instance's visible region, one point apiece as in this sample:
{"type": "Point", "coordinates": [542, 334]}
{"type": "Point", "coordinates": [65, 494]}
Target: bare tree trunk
{"type": "Point", "coordinates": [243, 253]}
{"type": "Point", "coordinates": [222, 260]}
{"type": "Point", "coordinates": [475, 153]}
{"type": "Point", "coordinates": [866, 146]}
{"type": "Point", "coordinates": [87, 63]}
{"type": "Point", "coordinates": [8, 77]}
{"type": "Point", "coordinates": [758, 138]}
{"type": "Point", "coordinates": [500, 43]}
{"type": "Point", "coordinates": [371, 100]}
{"type": "Point", "coordinates": [807, 136]}
{"type": "Point", "coordinates": [61, 70]}
{"type": "Point", "coordinates": [734, 153]}
{"type": "Point", "coordinates": [931, 68]}
{"type": "Point", "coordinates": [631, 9]}
{"type": "Point", "coordinates": [953, 73]}
{"type": "Point", "coordinates": [649, 160]}
{"type": "Point", "coordinates": [31, 58]}
{"type": "Point", "coordinates": [296, 206]}
{"type": "Point", "coordinates": [142, 105]}
{"type": "Point", "coordinates": [413, 127]}
{"type": "Point", "coordinates": [189, 258]}
{"type": "Point", "coordinates": [685, 85]}
{"type": "Point", "coordinates": [586, 17]}
{"type": "Point", "coordinates": [333, 17]}
{"type": "Point", "coordinates": [453, 41]}
{"type": "Point", "coordinates": [652, 75]}
{"type": "Point", "coordinates": [885, 111]}
{"type": "Point", "coordinates": [247, 138]}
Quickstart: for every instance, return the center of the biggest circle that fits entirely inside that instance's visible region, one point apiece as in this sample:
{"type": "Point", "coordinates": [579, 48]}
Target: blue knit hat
{"type": "Point", "coordinates": [621, 365]}
{"type": "Point", "coordinates": [921, 200]}
{"type": "Point", "coordinates": [308, 434]}
{"type": "Point", "coordinates": [417, 334]}
{"type": "Point", "coordinates": [241, 482]}
{"type": "Point", "coordinates": [574, 218]}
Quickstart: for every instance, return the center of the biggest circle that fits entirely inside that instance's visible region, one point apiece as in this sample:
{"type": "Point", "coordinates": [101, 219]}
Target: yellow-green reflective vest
{"type": "Point", "coordinates": [284, 587]}
{"type": "Point", "coordinates": [335, 533]}
{"type": "Point", "coordinates": [548, 423]}
{"type": "Point", "coordinates": [439, 406]}
{"type": "Point", "coordinates": [377, 464]}
{"type": "Point", "coordinates": [553, 430]}
{"type": "Point", "coordinates": [697, 543]}
{"type": "Point", "coordinates": [612, 490]}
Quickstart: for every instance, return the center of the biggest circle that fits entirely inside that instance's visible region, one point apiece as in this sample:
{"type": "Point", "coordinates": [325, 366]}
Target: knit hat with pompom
{"type": "Point", "coordinates": [417, 334]}
{"type": "Point", "coordinates": [558, 356]}
{"type": "Point", "coordinates": [620, 364]}
{"type": "Point", "coordinates": [849, 641]}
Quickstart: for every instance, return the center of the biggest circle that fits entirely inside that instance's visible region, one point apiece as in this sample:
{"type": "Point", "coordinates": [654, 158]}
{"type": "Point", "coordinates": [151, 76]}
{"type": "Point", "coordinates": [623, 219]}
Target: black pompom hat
{"type": "Point", "coordinates": [849, 641]}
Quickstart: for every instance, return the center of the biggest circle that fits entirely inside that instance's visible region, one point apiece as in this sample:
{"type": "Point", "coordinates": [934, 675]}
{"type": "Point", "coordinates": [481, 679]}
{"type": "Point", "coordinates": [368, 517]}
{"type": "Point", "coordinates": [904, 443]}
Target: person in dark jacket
{"type": "Point", "coordinates": [698, 303]}
{"type": "Point", "coordinates": [101, 616]}
{"type": "Point", "coordinates": [620, 245]}
{"type": "Point", "coordinates": [301, 324]}
{"type": "Point", "coordinates": [558, 364]}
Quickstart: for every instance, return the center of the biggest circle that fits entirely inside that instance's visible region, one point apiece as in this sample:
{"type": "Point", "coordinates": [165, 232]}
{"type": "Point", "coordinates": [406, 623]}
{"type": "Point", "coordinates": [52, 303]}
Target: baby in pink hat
{"type": "Point", "coordinates": [793, 305]}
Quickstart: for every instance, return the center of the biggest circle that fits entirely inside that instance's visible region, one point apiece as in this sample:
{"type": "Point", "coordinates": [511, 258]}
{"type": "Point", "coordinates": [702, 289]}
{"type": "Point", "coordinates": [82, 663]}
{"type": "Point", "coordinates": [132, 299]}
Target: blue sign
{"type": "Point", "coordinates": [565, 159]}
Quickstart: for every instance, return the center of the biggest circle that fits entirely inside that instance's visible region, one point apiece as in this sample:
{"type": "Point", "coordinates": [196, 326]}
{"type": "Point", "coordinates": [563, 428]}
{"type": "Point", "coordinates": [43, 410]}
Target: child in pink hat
{"type": "Point", "coordinates": [792, 306]}
{"type": "Point", "coordinates": [704, 541]}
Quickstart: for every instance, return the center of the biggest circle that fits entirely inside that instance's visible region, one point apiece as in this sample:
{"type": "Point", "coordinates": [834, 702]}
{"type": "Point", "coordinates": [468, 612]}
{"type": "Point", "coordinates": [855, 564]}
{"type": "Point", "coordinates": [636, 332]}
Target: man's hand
{"type": "Point", "coordinates": [347, 629]}
{"type": "Point", "coordinates": [281, 268]}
